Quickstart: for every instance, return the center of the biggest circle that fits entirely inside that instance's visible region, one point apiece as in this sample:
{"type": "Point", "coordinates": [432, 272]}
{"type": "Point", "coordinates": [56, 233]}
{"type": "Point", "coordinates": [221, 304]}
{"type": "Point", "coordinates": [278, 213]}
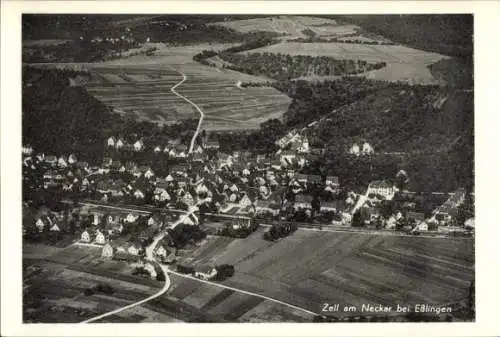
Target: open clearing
{"type": "Point", "coordinates": [291, 26]}
{"type": "Point", "coordinates": [310, 268]}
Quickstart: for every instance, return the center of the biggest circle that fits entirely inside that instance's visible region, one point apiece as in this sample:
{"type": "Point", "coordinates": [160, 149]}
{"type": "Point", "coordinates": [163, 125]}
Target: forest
{"type": "Point", "coordinates": [285, 67]}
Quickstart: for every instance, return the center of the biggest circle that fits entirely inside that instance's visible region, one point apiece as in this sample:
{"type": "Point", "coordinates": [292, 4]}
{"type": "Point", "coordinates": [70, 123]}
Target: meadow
{"type": "Point", "coordinates": [291, 26]}
{"type": "Point", "coordinates": [310, 268]}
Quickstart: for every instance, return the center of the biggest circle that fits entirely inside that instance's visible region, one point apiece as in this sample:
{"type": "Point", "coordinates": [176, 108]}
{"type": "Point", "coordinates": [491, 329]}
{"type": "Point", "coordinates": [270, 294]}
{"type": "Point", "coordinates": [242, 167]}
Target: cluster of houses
{"type": "Point", "coordinates": [298, 142]}
{"type": "Point", "coordinates": [174, 148]}
{"type": "Point", "coordinates": [239, 184]}
{"type": "Point", "coordinates": [64, 172]}
{"type": "Point", "coordinates": [406, 216]}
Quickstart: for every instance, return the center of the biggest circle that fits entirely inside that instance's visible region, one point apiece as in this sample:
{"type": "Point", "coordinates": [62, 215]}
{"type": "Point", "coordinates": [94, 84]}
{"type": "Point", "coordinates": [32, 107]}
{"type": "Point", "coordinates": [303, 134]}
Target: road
{"type": "Point", "coordinates": [202, 114]}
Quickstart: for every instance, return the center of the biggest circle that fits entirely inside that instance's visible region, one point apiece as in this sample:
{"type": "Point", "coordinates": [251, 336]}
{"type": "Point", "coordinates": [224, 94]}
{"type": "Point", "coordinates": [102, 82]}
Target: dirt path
{"type": "Point", "coordinates": [202, 114]}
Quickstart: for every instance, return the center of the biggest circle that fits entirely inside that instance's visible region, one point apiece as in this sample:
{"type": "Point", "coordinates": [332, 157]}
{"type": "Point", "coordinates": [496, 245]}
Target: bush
{"type": "Point", "coordinates": [88, 292]}
{"type": "Point", "coordinates": [224, 271]}
{"type": "Point", "coordinates": [185, 269]}
{"type": "Point", "coordinates": [160, 277]}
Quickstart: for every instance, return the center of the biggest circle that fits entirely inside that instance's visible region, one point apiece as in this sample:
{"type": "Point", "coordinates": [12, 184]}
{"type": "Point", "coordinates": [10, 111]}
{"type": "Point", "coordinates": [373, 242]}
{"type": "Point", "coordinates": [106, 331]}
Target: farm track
{"type": "Point", "coordinates": [202, 114]}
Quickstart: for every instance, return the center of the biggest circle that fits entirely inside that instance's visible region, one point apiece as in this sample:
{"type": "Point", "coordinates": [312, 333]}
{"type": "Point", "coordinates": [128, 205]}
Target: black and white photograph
{"type": "Point", "coordinates": [247, 168]}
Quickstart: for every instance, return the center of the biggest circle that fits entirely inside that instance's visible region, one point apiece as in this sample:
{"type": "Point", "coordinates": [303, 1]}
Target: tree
{"type": "Point", "coordinates": [357, 220]}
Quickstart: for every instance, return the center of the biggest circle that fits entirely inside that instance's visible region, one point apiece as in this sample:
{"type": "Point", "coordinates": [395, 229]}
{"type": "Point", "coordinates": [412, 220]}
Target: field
{"type": "Point", "coordinates": [56, 293]}
{"type": "Point", "coordinates": [141, 86]}
{"type": "Point", "coordinates": [310, 268]}
{"type": "Point", "coordinates": [403, 63]}
{"type": "Point", "coordinates": [291, 26]}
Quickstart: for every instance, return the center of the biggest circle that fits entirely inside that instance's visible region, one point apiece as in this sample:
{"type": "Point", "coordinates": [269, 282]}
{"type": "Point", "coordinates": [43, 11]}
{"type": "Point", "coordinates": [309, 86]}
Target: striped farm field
{"type": "Point", "coordinates": [144, 90]}
{"type": "Point", "coordinates": [310, 268]}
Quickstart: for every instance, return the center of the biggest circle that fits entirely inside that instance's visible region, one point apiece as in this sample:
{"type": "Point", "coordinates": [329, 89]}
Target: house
{"type": "Point", "coordinates": [27, 150]}
{"type": "Point", "coordinates": [131, 218]}
{"type": "Point", "coordinates": [161, 194]}
{"type": "Point", "coordinates": [245, 201]}
{"type": "Point", "coordinates": [120, 143]}
{"type": "Point", "coordinates": [139, 145]}
{"type": "Point", "coordinates": [449, 208]}
{"type": "Point", "coordinates": [302, 201]}
{"type": "Point", "coordinates": [421, 227]}
{"type": "Point", "coordinates": [100, 238]}
{"type": "Point", "coordinates": [302, 145]}
{"type": "Point", "coordinates": [72, 159]}
{"type": "Point", "coordinates": [205, 272]}
{"type": "Point", "coordinates": [161, 250]}
{"type": "Point", "coordinates": [108, 251]}
{"type": "Point", "coordinates": [355, 150]}
{"type": "Point", "coordinates": [154, 220]}
{"type": "Point", "coordinates": [367, 149]}
{"type": "Point", "coordinates": [54, 227]}
{"type": "Point", "coordinates": [157, 149]}
{"type": "Point", "coordinates": [138, 194]}
{"type": "Point", "coordinates": [135, 248]}
{"type": "Point", "coordinates": [383, 188]}
{"type": "Point", "coordinates": [287, 157]}
{"type": "Point", "coordinates": [86, 236]}
{"type": "Point", "coordinates": [45, 221]}
{"type": "Point", "coordinates": [149, 174]}
{"type": "Point", "coordinates": [111, 141]}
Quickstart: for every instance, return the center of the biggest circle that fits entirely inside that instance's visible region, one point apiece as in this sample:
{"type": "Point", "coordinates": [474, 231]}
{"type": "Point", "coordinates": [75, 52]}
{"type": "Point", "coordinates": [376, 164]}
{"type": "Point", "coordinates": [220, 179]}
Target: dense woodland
{"type": "Point", "coordinates": [284, 67]}
{"type": "Point", "coordinates": [449, 34]}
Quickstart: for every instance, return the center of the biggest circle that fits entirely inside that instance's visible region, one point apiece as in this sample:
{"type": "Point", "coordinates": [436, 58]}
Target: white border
{"type": "Point", "coordinates": [487, 121]}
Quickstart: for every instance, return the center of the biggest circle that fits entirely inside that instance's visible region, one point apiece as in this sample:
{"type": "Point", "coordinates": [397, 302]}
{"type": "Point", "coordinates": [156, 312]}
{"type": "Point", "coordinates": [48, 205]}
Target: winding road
{"type": "Point", "coordinates": [202, 114]}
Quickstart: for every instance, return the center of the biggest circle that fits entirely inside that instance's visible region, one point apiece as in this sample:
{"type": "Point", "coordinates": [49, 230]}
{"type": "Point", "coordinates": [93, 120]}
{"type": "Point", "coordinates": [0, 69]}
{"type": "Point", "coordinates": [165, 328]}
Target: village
{"type": "Point", "coordinates": [122, 206]}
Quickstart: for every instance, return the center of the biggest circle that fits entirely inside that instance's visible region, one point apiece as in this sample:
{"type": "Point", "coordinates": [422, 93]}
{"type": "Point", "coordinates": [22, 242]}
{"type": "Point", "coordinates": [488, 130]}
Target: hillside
{"type": "Point", "coordinates": [449, 34]}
